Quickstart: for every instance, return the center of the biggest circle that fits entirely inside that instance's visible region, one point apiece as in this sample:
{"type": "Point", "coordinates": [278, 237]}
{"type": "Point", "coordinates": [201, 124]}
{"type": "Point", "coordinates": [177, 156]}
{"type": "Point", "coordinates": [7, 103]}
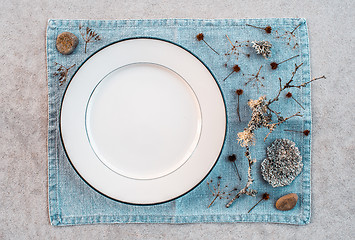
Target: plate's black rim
{"type": "Point", "coordinates": [66, 153]}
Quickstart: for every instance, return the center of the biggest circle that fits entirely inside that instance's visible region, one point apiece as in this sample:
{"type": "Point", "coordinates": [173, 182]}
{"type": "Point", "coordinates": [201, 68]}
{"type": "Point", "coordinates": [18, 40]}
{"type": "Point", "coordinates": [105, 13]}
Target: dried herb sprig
{"type": "Point", "coordinates": [289, 36]}
{"type": "Point", "coordinates": [201, 37]}
{"type": "Point", "coordinates": [265, 197]}
{"type": "Point", "coordinates": [305, 132]}
{"type": "Point", "coordinates": [88, 35]}
{"type": "Point", "coordinates": [255, 78]}
{"type": "Point", "coordinates": [274, 65]}
{"type": "Point", "coordinates": [218, 191]}
{"type": "Point", "coordinates": [239, 92]}
{"type": "Point", "coordinates": [236, 48]}
{"type": "Point", "coordinates": [267, 29]}
{"type": "Point", "coordinates": [236, 69]}
{"type": "Point", "coordinates": [289, 95]}
{"type": "Point", "coordinates": [233, 159]}
{"type": "Point", "coordinates": [62, 72]}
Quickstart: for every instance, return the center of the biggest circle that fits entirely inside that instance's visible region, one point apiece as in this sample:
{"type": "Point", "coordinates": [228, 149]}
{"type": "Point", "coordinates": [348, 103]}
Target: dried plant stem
{"type": "Point", "coordinates": [295, 28]}
{"type": "Point", "coordinates": [255, 26]}
{"type": "Point", "coordinates": [288, 59]}
{"type": "Point", "coordinates": [228, 76]}
{"type": "Point", "coordinates": [238, 111]}
{"type": "Point", "coordinates": [212, 201]}
{"type": "Point", "coordinates": [229, 40]}
{"type": "Point", "coordinates": [236, 170]}
{"type": "Point", "coordinates": [210, 46]}
{"type": "Point", "coordinates": [298, 102]}
{"type": "Point", "coordinates": [255, 205]}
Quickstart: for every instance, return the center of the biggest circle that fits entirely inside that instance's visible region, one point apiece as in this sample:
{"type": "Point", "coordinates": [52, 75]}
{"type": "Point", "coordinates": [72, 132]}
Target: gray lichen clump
{"type": "Point", "coordinates": [263, 48]}
{"type": "Point", "coordinates": [283, 163]}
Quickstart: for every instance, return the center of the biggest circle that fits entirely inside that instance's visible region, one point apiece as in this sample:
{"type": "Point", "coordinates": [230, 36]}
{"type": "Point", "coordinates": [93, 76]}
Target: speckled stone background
{"type": "Point", "coordinates": [23, 116]}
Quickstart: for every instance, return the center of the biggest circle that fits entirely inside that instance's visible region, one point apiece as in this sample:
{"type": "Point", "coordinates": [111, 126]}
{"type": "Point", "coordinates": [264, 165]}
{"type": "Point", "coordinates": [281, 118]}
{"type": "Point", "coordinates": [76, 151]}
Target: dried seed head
{"type": "Point", "coordinates": [288, 95]}
{"type": "Point", "coordinates": [273, 65]}
{"type": "Point", "coordinates": [306, 132]}
{"type": "Point", "coordinates": [219, 177]}
{"type": "Point", "coordinates": [268, 29]}
{"type": "Point", "coordinates": [236, 68]}
{"type": "Point", "coordinates": [232, 158]}
{"type": "Point", "coordinates": [266, 196]}
{"type": "Point", "coordinates": [239, 92]}
{"type": "Point", "coordinates": [200, 36]}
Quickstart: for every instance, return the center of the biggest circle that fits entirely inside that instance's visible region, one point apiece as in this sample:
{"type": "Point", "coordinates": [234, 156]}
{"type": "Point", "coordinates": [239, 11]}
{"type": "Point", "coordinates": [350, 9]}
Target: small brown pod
{"type": "Point", "coordinates": [287, 202]}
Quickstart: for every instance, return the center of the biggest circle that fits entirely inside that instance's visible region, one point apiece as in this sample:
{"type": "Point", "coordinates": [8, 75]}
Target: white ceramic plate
{"type": "Point", "coordinates": [143, 121]}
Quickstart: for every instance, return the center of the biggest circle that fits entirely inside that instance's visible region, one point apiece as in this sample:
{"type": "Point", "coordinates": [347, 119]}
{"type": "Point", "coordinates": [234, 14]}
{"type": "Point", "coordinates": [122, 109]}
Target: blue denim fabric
{"type": "Point", "coordinates": [72, 201]}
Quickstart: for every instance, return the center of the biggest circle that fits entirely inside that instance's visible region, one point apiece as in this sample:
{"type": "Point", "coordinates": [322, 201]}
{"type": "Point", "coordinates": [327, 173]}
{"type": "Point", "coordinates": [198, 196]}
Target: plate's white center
{"type": "Point", "coordinates": [143, 121]}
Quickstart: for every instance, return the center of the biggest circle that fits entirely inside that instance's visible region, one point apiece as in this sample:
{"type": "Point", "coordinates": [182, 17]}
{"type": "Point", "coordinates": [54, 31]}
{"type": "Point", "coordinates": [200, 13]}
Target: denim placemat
{"type": "Point", "coordinates": [72, 201]}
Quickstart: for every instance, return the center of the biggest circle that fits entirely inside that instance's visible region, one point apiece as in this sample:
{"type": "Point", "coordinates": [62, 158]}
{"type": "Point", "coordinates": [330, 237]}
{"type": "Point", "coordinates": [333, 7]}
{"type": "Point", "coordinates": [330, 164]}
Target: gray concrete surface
{"type": "Point", "coordinates": [23, 116]}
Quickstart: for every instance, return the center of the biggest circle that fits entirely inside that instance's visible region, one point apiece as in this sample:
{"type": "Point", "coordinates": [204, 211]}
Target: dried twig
{"type": "Point", "coordinates": [245, 190]}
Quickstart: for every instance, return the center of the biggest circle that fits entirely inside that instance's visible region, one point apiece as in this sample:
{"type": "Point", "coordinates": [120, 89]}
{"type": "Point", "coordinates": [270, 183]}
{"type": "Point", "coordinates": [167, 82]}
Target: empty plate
{"type": "Point", "coordinates": [143, 121]}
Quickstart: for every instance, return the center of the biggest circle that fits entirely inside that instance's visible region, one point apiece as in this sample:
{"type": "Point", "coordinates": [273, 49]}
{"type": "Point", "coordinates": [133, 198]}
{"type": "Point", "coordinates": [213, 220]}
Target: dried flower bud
{"type": "Point", "coordinates": [288, 95]}
{"type": "Point", "coordinates": [268, 29]}
{"type": "Point", "coordinates": [274, 65]}
{"type": "Point", "coordinates": [239, 92]}
{"type": "Point", "coordinates": [200, 36]}
{"type": "Point", "coordinates": [266, 196]}
{"type": "Point", "coordinates": [306, 132]}
{"type": "Point", "coordinates": [232, 158]}
{"type": "Point", "coordinates": [236, 68]}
